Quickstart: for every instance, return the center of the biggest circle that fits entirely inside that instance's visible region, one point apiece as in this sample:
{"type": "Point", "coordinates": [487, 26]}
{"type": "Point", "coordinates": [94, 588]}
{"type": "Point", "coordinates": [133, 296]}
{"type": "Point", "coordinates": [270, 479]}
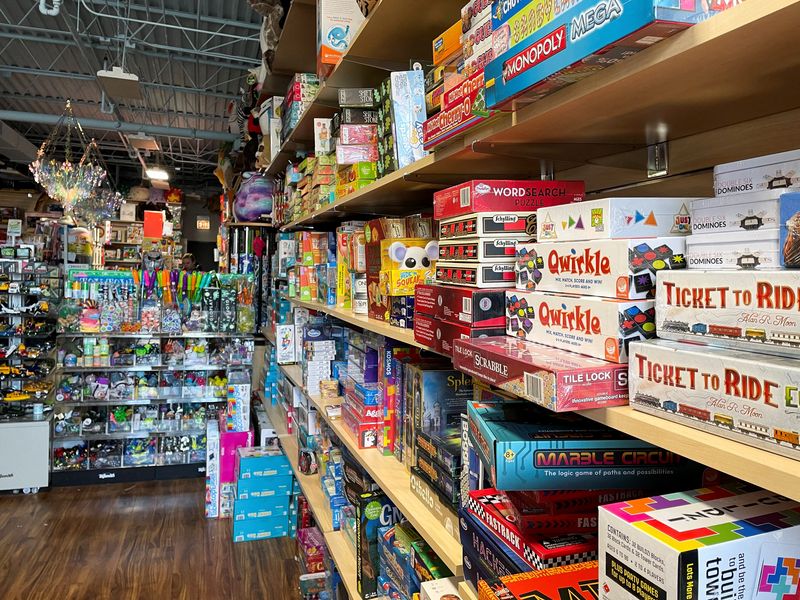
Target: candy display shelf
{"type": "Point", "coordinates": [146, 401]}
{"type": "Point", "coordinates": [125, 435]}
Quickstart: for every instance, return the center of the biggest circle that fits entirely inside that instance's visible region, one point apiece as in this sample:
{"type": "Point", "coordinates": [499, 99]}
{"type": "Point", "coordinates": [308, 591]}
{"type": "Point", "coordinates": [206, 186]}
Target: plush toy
{"type": "Point", "coordinates": [414, 257]}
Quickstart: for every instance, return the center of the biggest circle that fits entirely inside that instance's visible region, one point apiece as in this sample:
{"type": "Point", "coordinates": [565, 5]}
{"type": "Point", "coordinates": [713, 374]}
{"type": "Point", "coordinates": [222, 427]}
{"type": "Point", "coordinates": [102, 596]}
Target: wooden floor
{"type": "Point", "coordinates": [133, 541]}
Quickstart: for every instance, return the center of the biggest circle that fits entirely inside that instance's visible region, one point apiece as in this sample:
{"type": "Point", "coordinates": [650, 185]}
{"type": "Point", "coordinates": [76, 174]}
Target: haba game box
{"type": "Point", "coordinates": [728, 541]}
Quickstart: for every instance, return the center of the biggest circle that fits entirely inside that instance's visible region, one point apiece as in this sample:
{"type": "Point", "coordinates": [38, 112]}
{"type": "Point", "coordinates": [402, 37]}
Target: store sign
{"type": "Point", "coordinates": [14, 227]}
{"type": "Point", "coordinates": [203, 223]}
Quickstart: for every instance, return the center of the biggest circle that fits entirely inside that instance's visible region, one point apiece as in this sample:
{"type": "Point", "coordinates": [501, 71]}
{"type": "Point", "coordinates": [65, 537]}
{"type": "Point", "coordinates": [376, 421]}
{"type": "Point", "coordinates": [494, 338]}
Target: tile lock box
{"type": "Point", "coordinates": [732, 541]}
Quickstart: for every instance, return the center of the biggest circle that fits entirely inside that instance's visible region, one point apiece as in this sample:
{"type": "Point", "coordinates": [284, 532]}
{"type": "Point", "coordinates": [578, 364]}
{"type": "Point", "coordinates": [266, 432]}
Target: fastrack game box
{"type": "Point", "coordinates": [555, 379]}
{"type": "Point", "coordinates": [485, 195]}
{"type": "Point", "coordinates": [573, 582]}
{"type": "Point", "coordinates": [484, 250]}
{"type": "Point", "coordinates": [747, 310]}
{"type": "Point", "coordinates": [527, 449]}
{"type": "Point", "coordinates": [598, 327]}
{"type": "Point", "coordinates": [478, 540]}
{"type": "Point", "coordinates": [735, 250]}
{"type": "Point", "coordinates": [747, 397]}
{"type": "Point", "coordinates": [751, 211]}
{"type": "Point", "coordinates": [488, 224]}
{"type": "Point", "coordinates": [614, 218]}
{"type": "Point", "coordinates": [480, 275]}
{"type": "Point", "coordinates": [624, 269]}
{"type": "Point", "coordinates": [768, 172]}
{"type": "Point", "coordinates": [727, 541]}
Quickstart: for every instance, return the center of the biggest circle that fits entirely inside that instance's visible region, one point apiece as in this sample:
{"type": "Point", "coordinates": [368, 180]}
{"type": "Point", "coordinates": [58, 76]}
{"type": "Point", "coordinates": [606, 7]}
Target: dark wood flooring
{"type": "Point", "coordinates": [133, 541]}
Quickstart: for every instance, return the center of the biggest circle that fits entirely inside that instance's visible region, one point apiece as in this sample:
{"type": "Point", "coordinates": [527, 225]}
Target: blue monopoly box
{"type": "Point", "coordinates": [582, 40]}
{"type": "Point", "coordinates": [525, 448]}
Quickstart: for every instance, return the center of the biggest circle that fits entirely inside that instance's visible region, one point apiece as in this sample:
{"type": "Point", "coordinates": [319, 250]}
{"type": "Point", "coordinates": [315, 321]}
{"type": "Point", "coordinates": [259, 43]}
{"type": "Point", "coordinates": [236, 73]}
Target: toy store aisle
{"type": "Point", "coordinates": [133, 541]}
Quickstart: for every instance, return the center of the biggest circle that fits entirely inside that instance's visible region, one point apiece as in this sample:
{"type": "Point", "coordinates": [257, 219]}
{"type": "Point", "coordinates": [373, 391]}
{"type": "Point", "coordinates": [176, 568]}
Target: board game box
{"type": "Point", "coordinates": [751, 211]}
{"type": "Point", "coordinates": [493, 249]}
{"type": "Point", "coordinates": [447, 333]}
{"type": "Point", "coordinates": [373, 511]}
{"type": "Point", "coordinates": [624, 269]}
{"type": "Point", "coordinates": [746, 310]}
{"type": "Point", "coordinates": [480, 541]}
{"type": "Point", "coordinates": [734, 250]}
{"type": "Point", "coordinates": [548, 523]}
{"type": "Point", "coordinates": [529, 449]}
{"type": "Point", "coordinates": [727, 541]}
{"type": "Point", "coordinates": [488, 224]}
{"type": "Point", "coordinates": [436, 504]}
{"type": "Point", "coordinates": [557, 380]}
{"type": "Point", "coordinates": [597, 327]}
{"type": "Point", "coordinates": [480, 275]}
{"type": "Point", "coordinates": [747, 397]}
{"type": "Point", "coordinates": [469, 306]}
{"type": "Point", "coordinates": [768, 172]}
{"type": "Point", "coordinates": [485, 195]}
{"type": "Point", "coordinates": [444, 449]}
{"type": "Point", "coordinates": [574, 582]}
{"type": "Point", "coordinates": [614, 218]}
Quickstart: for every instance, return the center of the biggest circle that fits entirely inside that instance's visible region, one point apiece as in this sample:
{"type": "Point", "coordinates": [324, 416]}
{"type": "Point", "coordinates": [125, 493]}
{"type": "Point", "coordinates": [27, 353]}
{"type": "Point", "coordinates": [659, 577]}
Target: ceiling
{"type": "Point", "coordinates": [191, 57]}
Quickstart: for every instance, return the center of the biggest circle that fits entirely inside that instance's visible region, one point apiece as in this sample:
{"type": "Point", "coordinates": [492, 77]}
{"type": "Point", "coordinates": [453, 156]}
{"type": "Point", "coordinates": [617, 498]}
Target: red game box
{"type": "Point", "coordinates": [555, 379]}
{"type": "Point", "coordinates": [480, 275]}
{"type": "Point", "coordinates": [482, 195]}
{"type": "Point", "coordinates": [577, 582]}
{"type": "Point", "coordinates": [539, 519]}
{"type": "Point", "coordinates": [468, 306]}
{"type": "Point", "coordinates": [484, 224]}
{"type": "Point", "coordinates": [425, 299]}
{"type": "Point", "coordinates": [447, 333]}
{"type": "Point", "coordinates": [425, 327]}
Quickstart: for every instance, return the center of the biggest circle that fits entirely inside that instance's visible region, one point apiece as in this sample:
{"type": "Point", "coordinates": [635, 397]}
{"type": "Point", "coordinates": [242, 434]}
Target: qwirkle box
{"type": "Point", "coordinates": [487, 224]}
{"type": "Point", "coordinates": [492, 249]}
{"type": "Point", "coordinates": [526, 449]}
{"type": "Point", "coordinates": [598, 327]}
{"type": "Point", "coordinates": [748, 310]}
{"type": "Point", "coordinates": [751, 211]}
{"type": "Point", "coordinates": [482, 195]}
{"type": "Point", "coordinates": [496, 275]}
{"type": "Point", "coordinates": [555, 379]}
{"type": "Point", "coordinates": [736, 250]}
{"type": "Point", "coordinates": [750, 398]}
{"type": "Point", "coordinates": [624, 269]}
{"type": "Point", "coordinates": [732, 540]}
{"type": "Point", "coordinates": [769, 172]}
{"type": "Point", "coordinates": [614, 218]}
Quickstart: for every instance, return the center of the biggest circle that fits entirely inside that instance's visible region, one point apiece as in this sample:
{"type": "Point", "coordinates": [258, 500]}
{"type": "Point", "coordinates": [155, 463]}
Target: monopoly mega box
{"type": "Point", "coordinates": [751, 211]}
{"type": "Point", "coordinates": [482, 195]}
{"type": "Point", "coordinates": [747, 310]}
{"type": "Point", "coordinates": [614, 218]}
{"type": "Point", "coordinates": [747, 397]}
{"type": "Point", "coordinates": [487, 249]}
{"type": "Point", "coordinates": [768, 172]}
{"type": "Point", "coordinates": [558, 380]}
{"type": "Point", "coordinates": [598, 327]}
{"type": "Point", "coordinates": [728, 541]}
{"type": "Point", "coordinates": [527, 448]}
{"type": "Point", "coordinates": [588, 37]}
{"type": "Point", "coordinates": [735, 250]}
{"type": "Point", "coordinates": [624, 269]}
{"type": "Point", "coordinates": [484, 224]}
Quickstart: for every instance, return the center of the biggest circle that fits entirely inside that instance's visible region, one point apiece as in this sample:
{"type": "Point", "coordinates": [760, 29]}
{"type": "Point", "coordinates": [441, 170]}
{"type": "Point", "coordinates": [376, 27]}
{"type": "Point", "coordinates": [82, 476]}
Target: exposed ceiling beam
{"type": "Point", "coordinates": [176, 13]}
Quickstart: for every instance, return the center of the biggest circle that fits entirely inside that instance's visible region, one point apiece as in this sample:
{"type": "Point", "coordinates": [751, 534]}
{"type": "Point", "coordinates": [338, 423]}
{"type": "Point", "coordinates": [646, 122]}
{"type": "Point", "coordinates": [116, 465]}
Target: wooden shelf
{"type": "Point", "coordinates": [269, 335]}
{"type": "Point", "coordinates": [766, 469]}
{"type": "Point", "coordinates": [466, 591]}
{"type": "Point", "coordinates": [380, 327]}
{"type": "Point", "coordinates": [296, 49]}
{"type": "Point", "coordinates": [342, 553]}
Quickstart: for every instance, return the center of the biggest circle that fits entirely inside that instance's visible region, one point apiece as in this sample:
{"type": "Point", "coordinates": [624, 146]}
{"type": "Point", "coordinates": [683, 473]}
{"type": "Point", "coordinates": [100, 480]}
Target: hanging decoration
{"type": "Point", "coordinates": [67, 181]}
{"type": "Point", "coordinates": [101, 205]}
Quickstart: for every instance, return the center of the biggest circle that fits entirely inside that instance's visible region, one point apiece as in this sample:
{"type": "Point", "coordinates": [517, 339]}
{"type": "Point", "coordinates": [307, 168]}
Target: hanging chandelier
{"type": "Point", "coordinates": [67, 181]}
{"type": "Point", "coordinates": [99, 206]}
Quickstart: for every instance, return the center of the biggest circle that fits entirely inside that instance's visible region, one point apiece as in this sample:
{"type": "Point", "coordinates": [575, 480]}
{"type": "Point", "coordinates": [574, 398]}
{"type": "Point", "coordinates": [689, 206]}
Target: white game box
{"type": "Point", "coordinates": [780, 170]}
{"type": "Point", "coordinates": [745, 213]}
{"type": "Point", "coordinates": [734, 250]}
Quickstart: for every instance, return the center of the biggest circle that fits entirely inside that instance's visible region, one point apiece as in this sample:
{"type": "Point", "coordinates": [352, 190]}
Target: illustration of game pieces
{"type": "Point", "coordinates": [521, 316]}
{"type": "Point", "coordinates": [646, 261]}
{"type": "Point", "coordinates": [636, 324]}
{"type": "Point", "coordinates": [529, 268]}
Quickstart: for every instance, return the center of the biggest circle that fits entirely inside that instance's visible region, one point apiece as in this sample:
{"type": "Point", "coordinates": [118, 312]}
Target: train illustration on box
{"type": "Point", "coordinates": [779, 436]}
{"type": "Point", "coordinates": [752, 334]}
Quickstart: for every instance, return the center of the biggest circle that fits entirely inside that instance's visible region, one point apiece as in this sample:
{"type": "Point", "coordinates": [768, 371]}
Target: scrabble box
{"type": "Point", "coordinates": [485, 195]}
{"type": "Point", "coordinates": [614, 218]}
{"type": "Point", "coordinates": [747, 212]}
{"type": "Point", "coordinates": [490, 249]}
{"type": "Point", "coordinates": [487, 224]}
{"type": "Point", "coordinates": [733, 541]}
{"type": "Point", "coordinates": [747, 310]}
{"type": "Point", "coordinates": [480, 275]}
{"type": "Point", "coordinates": [758, 174]}
{"type": "Point", "coordinates": [735, 250]}
{"type": "Point", "coordinates": [750, 398]}
{"type": "Point", "coordinates": [557, 380]}
{"type": "Point", "coordinates": [598, 327]}
{"type": "Point", "coordinates": [624, 269]}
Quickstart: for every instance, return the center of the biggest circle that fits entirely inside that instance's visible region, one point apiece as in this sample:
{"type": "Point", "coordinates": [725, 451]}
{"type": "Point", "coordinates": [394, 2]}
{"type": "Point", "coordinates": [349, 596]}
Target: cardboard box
{"type": "Point", "coordinates": [598, 327]}
{"type": "Point", "coordinates": [555, 379]}
{"type": "Point", "coordinates": [357, 116]}
{"type": "Point", "coordinates": [747, 310]}
{"type": "Point", "coordinates": [447, 44]}
{"type": "Point", "coordinates": [425, 327]}
{"type": "Point", "coordinates": [358, 134]}
{"type": "Point", "coordinates": [736, 250]}
{"type": "Point", "coordinates": [261, 462]}
{"type": "Point", "coordinates": [338, 21]}
{"type": "Point", "coordinates": [624, 269]}
{"type": "Point", "coordinates": [750, 398]}
{"type": "Point", "coordinates": [487, 224]}
{"type": "Point", "coordinates": [229, 443]}
{"type": "Point", "coordinates": [445, 450]}
{"type": "Point", "coordinates": [480, 275]}
{"type": "Point", "coordinates": [264, 528]}
{"type": "Point", "coordinates": [541, 522]}
{"type": "Point", "coordinates": [614, 218]}
{"type": "Point", "coordinates": [447, 333]}
{"type": "Point", "coordinates": [468, 306]}
{"type": "Point", "coordinates": [750, 211]}
{"type": "Point", "coordinates": [477, 539]}
{"type": "Point", "coordinates": [528, 449]}
{"type": "Point", "coordinates": [212, 470]}
{"type": "Point", "coordinates": [425, 298]}
{"type": "Point", "coordinates": [374, 510]}
{"type": "Point", "coordinates": [408, 110]}
{"type": "Point", "coordinates": [264, 487]}
{"type": "Point", "coordinates": [440, 589]}
{"type": "Point", "coordinates": [758, 174]}
{"type": "Point", "coordinates": [260, 508]}
{"type": "Point", "coordinates": [684, 555]}
{"type": "Point", "coordinates": [439, 395]}
{"type": "Point", "coordinates": [578, 582]}
{"type": "Point", "coordinates": [489, 249]}
{"type": "Point", "coordinates": [515, 21]}
{"type": "Point", "coordinates": [445, 484]}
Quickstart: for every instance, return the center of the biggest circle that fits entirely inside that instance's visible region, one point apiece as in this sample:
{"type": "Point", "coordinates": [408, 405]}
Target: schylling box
{"type": "Point", "coordinates": [750, 398]}
{"type": "Point", "coordinates": [614, 218]}
{"type": "Point", "coordinates": [748, 310]}
{"type": "Point", "coordinates": [731, 541]}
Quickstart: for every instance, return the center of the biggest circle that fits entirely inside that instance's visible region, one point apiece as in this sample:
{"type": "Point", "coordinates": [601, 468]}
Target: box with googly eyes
{"type": "Point", "coordinates": [624, 269]}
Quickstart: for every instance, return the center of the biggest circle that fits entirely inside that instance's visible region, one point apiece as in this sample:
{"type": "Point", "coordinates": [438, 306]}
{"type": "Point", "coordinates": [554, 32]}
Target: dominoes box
{"type": "Point", "coordinates": [614, 218]}
{"type": "Point", "coordinates": [504, 195]}
{"type": "Point", "coordinates": [624, 269]}
{"type": "Point", "coordinates": [492, 249]}
{"type": "Point", "coordinates": [750, 398]}
{"type": "Point", "coordinates": [746, 212]}
{"type": "Point", "coordinates": [487, 224]}
{"type": "Point", "coordinates": [758, 174]}
{"type": "Point", "coordinates": [748, 310]}
{"type": "Point", "coordinates": [597, 327]}
{"type": "Point", "coordinates": [480, 275]}
{"type": "Point", "coordinates": [732, 540]}
{"type": "Point", "coordinates": [554, 379]}
{"type": "Point", "coordinates": [734, 250]}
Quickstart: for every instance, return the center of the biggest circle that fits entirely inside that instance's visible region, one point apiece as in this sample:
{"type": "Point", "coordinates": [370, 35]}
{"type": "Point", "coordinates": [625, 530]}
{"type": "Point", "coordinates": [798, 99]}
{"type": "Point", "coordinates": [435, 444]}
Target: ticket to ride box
{"type": "Point", "coordinates": [747, 397]}
{"type": "Point", "coordinates": [614, 218]}
{"type": "Point", "coordinates": [755, 311]}
{"type": "Point", "coordinates": [727, 541]}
